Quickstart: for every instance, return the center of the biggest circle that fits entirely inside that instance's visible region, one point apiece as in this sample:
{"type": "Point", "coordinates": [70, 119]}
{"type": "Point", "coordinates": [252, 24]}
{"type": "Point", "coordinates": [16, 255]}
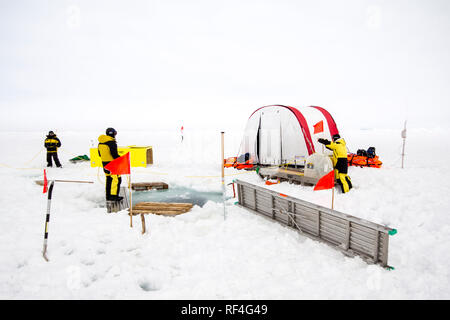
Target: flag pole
{"type": "Point", "coordinates": [131, 197]}
{"type": "Point", "coordinates": [404, 140]}
{"type": "Point", "coordinates": [332, 192]}
{"type": "Point", "coordinates": [223, 176]}
{"type": "Point", "coordinates": [332, 198]}
{"type": "Point", "coordinates": [326, 182]}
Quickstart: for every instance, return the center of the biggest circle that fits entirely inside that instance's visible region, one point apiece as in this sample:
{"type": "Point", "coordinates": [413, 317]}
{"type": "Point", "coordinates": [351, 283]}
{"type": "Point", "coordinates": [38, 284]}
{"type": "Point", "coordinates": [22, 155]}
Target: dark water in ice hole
{"type": "Point", "coordinates": [177, 194]}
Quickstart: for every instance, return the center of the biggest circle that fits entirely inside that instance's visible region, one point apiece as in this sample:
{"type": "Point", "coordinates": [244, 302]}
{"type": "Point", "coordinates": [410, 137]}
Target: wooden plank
{"type": "Point", "coordinates": [165, 204]}
{"type": "Point", "coordinates": [143, 223]}
{"type": "Point", "coordinates": [149, 185]}
{"type": "Point", "coordinates": [162, 213]}
{"type": "Point", "coordinates": [162, 206]}
{"type": "Point", "coordinates": [161, 209]}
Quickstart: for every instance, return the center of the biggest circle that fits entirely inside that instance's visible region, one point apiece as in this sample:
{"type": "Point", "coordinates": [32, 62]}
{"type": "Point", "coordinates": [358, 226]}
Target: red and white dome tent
{"type": "Point", "coordinates": [284, 135]}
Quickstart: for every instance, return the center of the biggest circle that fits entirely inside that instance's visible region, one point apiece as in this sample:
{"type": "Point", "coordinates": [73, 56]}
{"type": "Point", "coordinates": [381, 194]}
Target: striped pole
{"type": "Point", "coordinates": [131, 201]}
{"type": "Point", "coordinates": [223, 177]}
{"type": "Point", "coordinates": [47, 219]}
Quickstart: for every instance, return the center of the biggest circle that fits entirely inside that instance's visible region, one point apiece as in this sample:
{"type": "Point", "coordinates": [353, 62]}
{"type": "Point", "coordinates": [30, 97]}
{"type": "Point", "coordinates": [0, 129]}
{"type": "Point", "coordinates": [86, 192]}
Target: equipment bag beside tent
{"type": "Point", "coordinates": [364, 158]}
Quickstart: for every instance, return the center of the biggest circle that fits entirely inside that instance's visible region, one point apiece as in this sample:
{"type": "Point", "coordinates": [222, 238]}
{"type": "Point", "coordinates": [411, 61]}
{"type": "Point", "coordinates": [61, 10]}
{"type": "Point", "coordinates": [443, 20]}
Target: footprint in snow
{"type": "Point", "coordinates": [69, 252]}
{"type": "Point", "coordinates": [105, 241]}
{"type": "Point", "coordinates": [148, 286]}
{"type": "Point", "coordinates": [88, 262]}
{"type": "Point", "coordinates": [95, 277]}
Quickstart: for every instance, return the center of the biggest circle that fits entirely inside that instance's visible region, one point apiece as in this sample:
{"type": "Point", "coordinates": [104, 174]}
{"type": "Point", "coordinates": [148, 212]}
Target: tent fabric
{"type": "Point", "coordinates": [330, 121]}
{"type": "Point", "coordinates": [306, 133]}
{"type": "Point", "coordinates": [278, 134]}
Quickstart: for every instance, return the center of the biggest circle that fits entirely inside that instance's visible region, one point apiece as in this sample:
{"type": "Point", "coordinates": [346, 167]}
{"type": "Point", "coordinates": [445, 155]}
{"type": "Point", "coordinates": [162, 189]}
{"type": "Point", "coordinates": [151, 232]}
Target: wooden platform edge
{"type": "Point", "coordinates": [139, 186]}
{"type": "Point", "coordinates": [161, 208]}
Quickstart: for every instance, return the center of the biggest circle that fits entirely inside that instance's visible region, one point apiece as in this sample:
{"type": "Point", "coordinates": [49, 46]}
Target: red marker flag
{"type": "Point", "coordinates": [120, 165]}
{"type": "Point", "coordinates": [326, 182]}
{"type": "Point", "coordinates": [318, 127]}
{"type": "Point", "coordinates": [45, 182]}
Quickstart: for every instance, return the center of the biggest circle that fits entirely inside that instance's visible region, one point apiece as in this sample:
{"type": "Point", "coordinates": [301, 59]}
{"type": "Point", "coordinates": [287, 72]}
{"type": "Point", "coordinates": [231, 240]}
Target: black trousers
{"type": "Point", "coordinates": [54, 156]}
{"type": "Point", "coordinates": [340, 173]}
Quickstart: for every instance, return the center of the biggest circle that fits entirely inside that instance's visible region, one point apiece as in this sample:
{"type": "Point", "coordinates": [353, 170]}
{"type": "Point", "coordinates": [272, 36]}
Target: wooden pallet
{"type": "Point", "coordinates": [139, 186]}
{"type": "Point", "coordinates": [116, 206]}
{"type": "Point", "coordinates": [159, 208]}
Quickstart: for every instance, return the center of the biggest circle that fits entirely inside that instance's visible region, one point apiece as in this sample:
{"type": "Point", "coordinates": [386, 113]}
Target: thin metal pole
{"type": "Point", "coordinates": [223, 175]}
{"type": "Point", "coordinates": [131, 197]}
{"type": "Point", "coordinates": [404, 141]}
{"type": "Point", "coordinates": [332, 198]}
{"type": "Point", "coordinates": [73, 181]}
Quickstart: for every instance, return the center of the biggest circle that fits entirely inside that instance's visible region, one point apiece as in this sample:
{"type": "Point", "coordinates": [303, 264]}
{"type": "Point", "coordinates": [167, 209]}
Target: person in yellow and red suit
{"type": "Point", "coordinates": [340, 161]}
{"type": "Point", "coordinates": [107, 150]}
{"type": "Point", "coordinates": [52, 143]}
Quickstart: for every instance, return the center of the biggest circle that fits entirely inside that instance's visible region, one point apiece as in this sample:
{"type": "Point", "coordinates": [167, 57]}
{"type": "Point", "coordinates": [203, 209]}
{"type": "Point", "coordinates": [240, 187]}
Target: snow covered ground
{"type": "Point", "coordinates": [198, 255]}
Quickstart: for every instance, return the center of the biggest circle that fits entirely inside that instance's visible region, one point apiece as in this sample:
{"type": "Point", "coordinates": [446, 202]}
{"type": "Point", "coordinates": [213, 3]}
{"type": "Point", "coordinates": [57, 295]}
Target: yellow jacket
{"type": "Point", "coordinates": [107, 148]}
{"type": "Point", "coordinates": [339, 148]}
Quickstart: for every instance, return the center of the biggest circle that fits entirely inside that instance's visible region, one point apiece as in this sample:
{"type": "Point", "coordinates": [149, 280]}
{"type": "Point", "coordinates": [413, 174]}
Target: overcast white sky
{"type": "Point", "coordinates": [88, 64]}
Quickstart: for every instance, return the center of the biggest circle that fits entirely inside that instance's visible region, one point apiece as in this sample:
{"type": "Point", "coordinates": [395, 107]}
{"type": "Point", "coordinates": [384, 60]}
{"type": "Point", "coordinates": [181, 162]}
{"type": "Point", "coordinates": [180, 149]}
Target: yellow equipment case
{"type": "Point", "coordinates": [140, 156]}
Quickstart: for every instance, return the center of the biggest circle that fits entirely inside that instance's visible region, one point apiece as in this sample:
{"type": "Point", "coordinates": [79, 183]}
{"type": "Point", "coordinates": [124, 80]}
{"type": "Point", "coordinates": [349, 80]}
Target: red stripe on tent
{"type": "Point", "coordinates": [331, 124]}
{"type": "Point", "coordinates": [303, 124]}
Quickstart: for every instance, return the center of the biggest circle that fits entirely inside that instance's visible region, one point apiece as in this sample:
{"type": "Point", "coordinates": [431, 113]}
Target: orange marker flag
{"type": "Point", "coordinates": [269, 183]}
{"type": "Point", "coordinates": [326, 182]}
{"type": "Point", "coordinates": [318, 127]}
{"type": "Point", "coordinates": [120, 165]}
{"type": "Point", "coordinates": [45, 182]}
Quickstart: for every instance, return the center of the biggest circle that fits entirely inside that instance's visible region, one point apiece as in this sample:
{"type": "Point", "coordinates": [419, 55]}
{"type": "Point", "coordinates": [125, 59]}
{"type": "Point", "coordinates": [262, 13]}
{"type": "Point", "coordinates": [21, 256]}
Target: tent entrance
{"type": "Point", "coordinates": [269, 137]}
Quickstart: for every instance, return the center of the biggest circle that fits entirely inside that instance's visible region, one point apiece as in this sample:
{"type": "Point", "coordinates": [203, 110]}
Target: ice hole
{"type": "Point", "coordinates": [177, 194]}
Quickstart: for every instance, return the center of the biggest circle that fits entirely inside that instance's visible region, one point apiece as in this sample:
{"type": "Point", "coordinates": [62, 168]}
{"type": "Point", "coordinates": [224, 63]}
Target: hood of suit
{"type": "Point", "coordinates": [104, 138]}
